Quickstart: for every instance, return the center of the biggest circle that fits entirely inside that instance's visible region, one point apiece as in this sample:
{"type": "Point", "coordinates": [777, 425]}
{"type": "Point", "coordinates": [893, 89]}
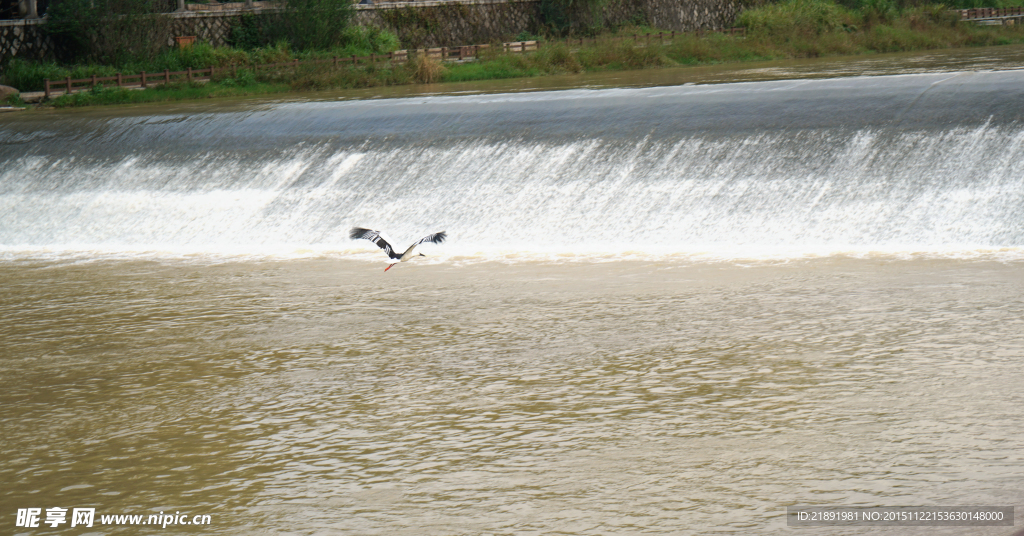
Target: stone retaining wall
{"type": "Point", "coordinates": [23, 39]}
{"type": "Point", "coordinates": [419, 24]}
{"type": "Point", "coordinates": [448, 23]}
{"type": "Point", "coordinates": [680, 16]}
{"type": "Point", "coordinates": [212, 27]}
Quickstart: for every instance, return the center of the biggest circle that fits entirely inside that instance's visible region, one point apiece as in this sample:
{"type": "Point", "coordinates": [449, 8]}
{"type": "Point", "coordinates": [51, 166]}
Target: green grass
{"type": "Point", "coordinates": [100, 95]}
{"type": "Point", "coordinates": [15, 101]}
{"type": "Point", "coordinates": [29, 76]}
{"type": "Point", "coordinates": [791, 29]}
{"type": "Point", "coordinates": [494, 68]}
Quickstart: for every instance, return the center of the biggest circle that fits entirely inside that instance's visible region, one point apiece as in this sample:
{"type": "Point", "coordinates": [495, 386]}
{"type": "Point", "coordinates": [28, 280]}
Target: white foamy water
{"type": "Point", "coordinates": [766, 171]}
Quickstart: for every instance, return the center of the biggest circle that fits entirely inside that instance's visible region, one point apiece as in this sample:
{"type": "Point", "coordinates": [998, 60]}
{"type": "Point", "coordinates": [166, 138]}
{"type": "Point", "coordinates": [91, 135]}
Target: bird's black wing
{"type": "Point", "coordinates": [436, 238]}
{"type": "Point", "coordinates": [358, 233]}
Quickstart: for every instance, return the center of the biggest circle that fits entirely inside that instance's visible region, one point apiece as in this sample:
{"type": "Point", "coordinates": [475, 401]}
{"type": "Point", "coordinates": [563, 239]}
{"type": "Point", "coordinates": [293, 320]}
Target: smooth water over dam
{"type": "Point", "coordinates": [671, 310]}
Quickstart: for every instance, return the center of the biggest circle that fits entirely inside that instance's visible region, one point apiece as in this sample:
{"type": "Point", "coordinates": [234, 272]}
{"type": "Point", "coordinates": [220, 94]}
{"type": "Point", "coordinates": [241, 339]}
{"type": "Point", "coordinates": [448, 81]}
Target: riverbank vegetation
{"type": "Point", "coordinates": [788, 29]}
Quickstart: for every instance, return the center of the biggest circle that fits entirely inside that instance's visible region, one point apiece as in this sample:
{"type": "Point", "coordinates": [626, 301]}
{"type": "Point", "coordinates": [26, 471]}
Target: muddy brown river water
{"type": "Point", "coordinates": [662, 310]}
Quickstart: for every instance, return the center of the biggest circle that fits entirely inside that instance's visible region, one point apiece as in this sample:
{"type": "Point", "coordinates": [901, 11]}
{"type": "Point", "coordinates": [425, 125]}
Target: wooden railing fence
{"type": "Point", "coordinates": [461, 53]}
{"type": "Point", "coordinates": [990, 12]}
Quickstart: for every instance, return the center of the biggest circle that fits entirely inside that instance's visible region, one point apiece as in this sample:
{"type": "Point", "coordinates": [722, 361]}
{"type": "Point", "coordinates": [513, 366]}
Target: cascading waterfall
{"type": "Point", "coordinates": [917, 163]}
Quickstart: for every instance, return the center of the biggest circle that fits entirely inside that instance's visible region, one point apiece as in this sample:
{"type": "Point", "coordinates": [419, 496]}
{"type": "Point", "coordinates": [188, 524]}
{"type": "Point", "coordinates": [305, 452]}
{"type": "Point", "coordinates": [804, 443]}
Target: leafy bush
{"type": "Point", "coordinates": [554, 14]}
{"type": "Point", "coordinates": [244, 77]}
{"type": "Point", "coordinates": [277, 53]}
{"type": "Point", "coordinates": [565, 17]}
{"type": "Point", "coordinates": [363, 40]}
{"type": "Point", "coordinates": [198, 56]}
{"type": "Point", "coordinates": [29, 76]}
{"type": "Point", "coordinates": [14, 99]}
{"type": "Point", "coordinates": [425, 69]}
{"type": "Point", "coordinates": [106, 31]}
{"type": "Point", "coordinates": [878, 11]}
{"type": "Point", "coordinates": [305, 25]}
{"type": "Point", "coordinates": [248, 33]}
{"type": "Point", "coordinates": [557, 57]}
{"type": "Point", "coordinates": [622, 55]}
{"type": "Point", "coordinates": [312, 24]}
{"type": "Point", "coordinates": [795, 16]}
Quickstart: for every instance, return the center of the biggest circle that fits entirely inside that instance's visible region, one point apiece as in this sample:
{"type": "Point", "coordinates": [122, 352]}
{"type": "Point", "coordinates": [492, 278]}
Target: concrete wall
{"type": "Point", "coordinates": [418, 24]}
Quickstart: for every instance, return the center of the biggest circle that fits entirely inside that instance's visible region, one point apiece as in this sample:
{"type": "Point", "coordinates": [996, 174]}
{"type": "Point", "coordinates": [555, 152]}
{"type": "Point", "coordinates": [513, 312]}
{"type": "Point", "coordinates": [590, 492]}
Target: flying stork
{"type": "Point", "coordinates": [378, 238]}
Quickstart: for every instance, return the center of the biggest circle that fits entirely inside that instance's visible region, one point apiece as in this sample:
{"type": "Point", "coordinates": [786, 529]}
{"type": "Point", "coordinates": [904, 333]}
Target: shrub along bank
{"type": "Point", "coordinates": [789, 29]}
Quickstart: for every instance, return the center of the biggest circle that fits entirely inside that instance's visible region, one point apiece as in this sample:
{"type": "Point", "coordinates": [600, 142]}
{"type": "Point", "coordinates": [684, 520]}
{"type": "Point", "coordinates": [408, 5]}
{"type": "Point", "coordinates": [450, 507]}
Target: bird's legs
{"type": "Point", "coordinates": [389, 266]}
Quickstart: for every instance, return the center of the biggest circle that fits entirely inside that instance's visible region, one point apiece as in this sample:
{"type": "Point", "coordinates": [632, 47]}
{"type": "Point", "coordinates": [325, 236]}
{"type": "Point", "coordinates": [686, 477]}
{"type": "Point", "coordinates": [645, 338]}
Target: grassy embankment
{"type": "Point", "coordinates": [791, 29]}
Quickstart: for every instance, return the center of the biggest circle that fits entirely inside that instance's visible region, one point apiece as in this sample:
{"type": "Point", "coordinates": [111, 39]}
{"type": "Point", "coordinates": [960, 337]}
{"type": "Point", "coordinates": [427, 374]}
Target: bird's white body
{"type": "Point", "coordinates": [408, 253]}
